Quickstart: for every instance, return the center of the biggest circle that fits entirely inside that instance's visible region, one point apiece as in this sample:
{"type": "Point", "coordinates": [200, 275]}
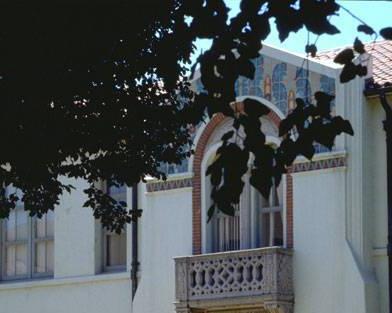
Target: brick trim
{"type": "Point", "coordinates": [196, 190]}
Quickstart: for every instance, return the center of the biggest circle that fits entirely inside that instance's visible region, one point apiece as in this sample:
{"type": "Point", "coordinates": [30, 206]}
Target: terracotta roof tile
{"type": "Point", "coordinates": [382, 59]}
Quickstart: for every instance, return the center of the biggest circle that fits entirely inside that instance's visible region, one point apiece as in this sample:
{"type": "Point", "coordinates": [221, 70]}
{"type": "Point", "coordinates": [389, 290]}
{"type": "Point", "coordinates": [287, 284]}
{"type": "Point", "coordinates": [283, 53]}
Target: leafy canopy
{"type": "Point", "coordinates": [100, 91]}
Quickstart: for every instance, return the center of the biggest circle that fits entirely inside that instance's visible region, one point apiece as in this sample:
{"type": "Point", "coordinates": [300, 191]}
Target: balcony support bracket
{"type": "Point", "coordinates": [278, 307]}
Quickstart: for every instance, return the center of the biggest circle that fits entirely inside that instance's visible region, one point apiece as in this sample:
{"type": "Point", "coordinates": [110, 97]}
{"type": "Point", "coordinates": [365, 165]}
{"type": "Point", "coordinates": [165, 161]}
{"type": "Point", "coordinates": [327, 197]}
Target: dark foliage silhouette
{"type": "Point", "coordinates": [100, 92]}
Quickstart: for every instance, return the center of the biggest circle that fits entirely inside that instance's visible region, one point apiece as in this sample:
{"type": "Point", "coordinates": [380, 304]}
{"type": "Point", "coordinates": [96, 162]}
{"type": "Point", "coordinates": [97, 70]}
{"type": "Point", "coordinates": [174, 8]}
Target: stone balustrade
{"type": "Point", "coordinates": [219, 278]}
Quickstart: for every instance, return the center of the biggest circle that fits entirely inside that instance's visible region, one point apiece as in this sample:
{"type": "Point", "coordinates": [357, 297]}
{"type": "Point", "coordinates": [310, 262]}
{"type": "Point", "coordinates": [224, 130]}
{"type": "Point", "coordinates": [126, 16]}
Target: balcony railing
{"type": "Point", "coordinates": [265, 273]}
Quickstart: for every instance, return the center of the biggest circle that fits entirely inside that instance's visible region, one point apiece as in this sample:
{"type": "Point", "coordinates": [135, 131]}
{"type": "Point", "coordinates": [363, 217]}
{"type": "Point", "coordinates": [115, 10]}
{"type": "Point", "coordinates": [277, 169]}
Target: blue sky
{"type": "Point", "coordinates": [377, 14]}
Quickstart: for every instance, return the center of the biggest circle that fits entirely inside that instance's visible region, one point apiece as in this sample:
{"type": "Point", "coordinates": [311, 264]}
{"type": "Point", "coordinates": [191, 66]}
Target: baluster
{"type": "Point", "coordinates": [220, 234]}
{"type": "Point", "coordinates": [231, 234]}
{"type": "Point", "coordinates": [197, 279]}
{"type": "Point", "coordinates": [226, 233]}
{"type": "Point", "coordinates": [237, 234]}
{"type": "Point", "coordinates": [272, 229]}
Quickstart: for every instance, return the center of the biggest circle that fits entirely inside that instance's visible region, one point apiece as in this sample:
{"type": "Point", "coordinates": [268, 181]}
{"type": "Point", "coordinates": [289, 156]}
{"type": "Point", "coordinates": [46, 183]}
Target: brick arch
{"type": "Point", "coordinates": [197, 176]}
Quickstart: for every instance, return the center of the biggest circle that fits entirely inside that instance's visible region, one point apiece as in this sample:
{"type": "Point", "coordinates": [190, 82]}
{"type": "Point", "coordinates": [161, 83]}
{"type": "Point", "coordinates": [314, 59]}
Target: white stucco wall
{"type": "Point", "coordinates": [166, 232]}
{"type": "Point", "coordinates": [318, 240]}
{"type": "Point", "coordinates": [99, 294]}
{"type": "Point", "coordinates": [376, 188]}
{"type": "Point", "coordinates": [74, 235]}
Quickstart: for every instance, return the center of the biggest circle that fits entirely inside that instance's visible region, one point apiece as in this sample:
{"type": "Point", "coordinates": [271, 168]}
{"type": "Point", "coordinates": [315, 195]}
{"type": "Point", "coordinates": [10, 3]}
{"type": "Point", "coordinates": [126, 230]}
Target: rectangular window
{"type": "Point", "coordinates": [226, 231]}
{"type": "Point", "coordinates": [27, 245]}
{"type": "Point", "coordinates": [270, 223]}
{"type": "Point", "coordinates": [115, 251]}
{"type": "Point", "coordinates": [115, 245]}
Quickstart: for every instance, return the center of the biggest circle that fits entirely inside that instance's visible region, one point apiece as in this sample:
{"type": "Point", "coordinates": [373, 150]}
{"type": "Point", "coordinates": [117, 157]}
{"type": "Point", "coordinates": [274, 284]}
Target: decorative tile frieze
{"type": "Point", "coordinates": [322, 164]}
{"type": "Point", "coordinates": [169, 184]}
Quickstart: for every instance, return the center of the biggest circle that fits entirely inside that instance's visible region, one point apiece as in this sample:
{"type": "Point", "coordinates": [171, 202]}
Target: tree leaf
{"type": "Point", "coordinates": [365, 29]}
{"type": "Point", "coordinates": [348, 73]}
{"type": "Point", "coordinates": [245, 68]}
{"type": "Point", "coordinates": [345, 56]}
{"type": "Point", "coordinates": [210, 213]}
{"type": "Point", "coordinates": [227, 135]}
{"type": "Point", "coordinates": [226, 208]}
{"type": "Point", "coordinates": [285, 125]}
{"type": "Point", "coordinates": [311, 49]}
{"type": "Point", "coordinates": [386, 33]}
{"type": "Point", "coordinates": [255, 108]}
{"type": "Point", "coordinates": [261, 181]}
{"type": "Point", "coordinates": [361, 70]}
{"type": "Point", "coordinates": [341, 125]}
{"type": "Point", "coordinates": [359, 46]}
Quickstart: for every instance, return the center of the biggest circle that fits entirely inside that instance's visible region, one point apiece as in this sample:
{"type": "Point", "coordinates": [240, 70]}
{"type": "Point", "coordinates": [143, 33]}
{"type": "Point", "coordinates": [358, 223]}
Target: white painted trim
{"type": "Point", "coordinates": [264, 101]}
{"type": "Point", "coordinates": [206, 157]}
{"type": "Point", "coordinates": [43, 283]}
{"type": "Point", "coordinates": [321, 156]}
{"type": "Point", "coordinates": [380, 252]}
{"type": "Point", "coordinates": [170, 177]}
{"type": "Point", "coordinates": [199, 131]}
{"type": "Point", "coordinates": [326, 67]}
{"type": "Point", "coordinates": [168, 191]}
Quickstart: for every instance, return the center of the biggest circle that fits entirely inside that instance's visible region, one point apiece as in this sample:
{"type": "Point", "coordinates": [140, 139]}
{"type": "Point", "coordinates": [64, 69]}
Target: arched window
{"type": "Point", "coordinates": [279, 91]}
{"type": "Point", "coordinates": [226, 231]}
{"type": "Point", "coordinates": [223, 230]}
{"type": "Point", "coordinates": [257, 222]}
{"type": "Point", "coordinates": [269, 218]}
{"type": "Point", "coordinates": [245, 86]}
{"type": "Point", "coordinates": [304, 90]}
{"type": "Point", "coordinates": [256, 84]}
{"type": "Point", "coordinates": [327, 85]}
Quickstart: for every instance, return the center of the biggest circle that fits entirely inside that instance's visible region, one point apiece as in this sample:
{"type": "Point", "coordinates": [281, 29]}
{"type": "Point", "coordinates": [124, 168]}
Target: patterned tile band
{"type": "Point", "coordinates": [298, 167]}
{"type": "Point", "coordinates": [320, 164]}
{"type": "Point", "coordinates": [169, 184]}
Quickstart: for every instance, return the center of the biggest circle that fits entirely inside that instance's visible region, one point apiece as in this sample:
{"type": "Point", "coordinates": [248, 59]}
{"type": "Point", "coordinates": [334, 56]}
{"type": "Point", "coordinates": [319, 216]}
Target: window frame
{"type": "Point", "coordinates": [270, 208]}
{"type": "Point", "coordinates": [279, 88]}
{"type": "Point", "coordinates": [30, 251]}
{"type": "Point", "coordinates": [112, 268]}
{"type": "Point", "coordinates": [248, 225]}
{"type": "Point", "coordinates": [104, 239]}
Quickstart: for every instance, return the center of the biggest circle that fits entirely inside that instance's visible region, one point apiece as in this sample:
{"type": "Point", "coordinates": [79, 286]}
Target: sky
{"type": "Point", "coordinates": [377, 14]}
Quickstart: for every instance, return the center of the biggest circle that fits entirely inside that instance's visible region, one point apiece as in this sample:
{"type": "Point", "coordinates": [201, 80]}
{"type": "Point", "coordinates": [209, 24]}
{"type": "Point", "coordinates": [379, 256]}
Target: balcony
{"type": "Point", "coordinates": [251, 281]}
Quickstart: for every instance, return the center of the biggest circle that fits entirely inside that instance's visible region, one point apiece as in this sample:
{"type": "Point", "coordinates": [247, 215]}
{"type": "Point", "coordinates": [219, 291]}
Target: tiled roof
{"type": "Point", "coordinates": [382, 59]}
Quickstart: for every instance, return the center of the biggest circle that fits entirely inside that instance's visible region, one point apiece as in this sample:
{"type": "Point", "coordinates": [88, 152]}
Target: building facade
{"type": "Point", "coordinates": [317, 245]}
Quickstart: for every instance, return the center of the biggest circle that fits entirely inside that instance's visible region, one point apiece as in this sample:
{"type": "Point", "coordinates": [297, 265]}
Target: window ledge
{"type": "Point", "coordinates": [50, 282]}
{"type": "Point", "coordinates": [170, 177]}
{"type": "Point", "coordinates": [322, 156]}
